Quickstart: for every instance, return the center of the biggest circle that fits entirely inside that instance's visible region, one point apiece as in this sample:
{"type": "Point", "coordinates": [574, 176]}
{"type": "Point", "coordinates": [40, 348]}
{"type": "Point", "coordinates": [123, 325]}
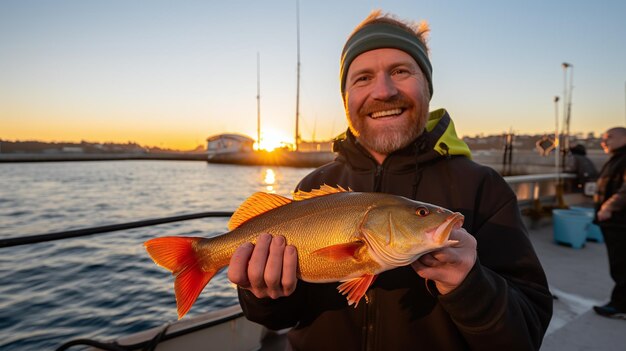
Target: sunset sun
{"type": "Point", "coordinates": [272, 139]}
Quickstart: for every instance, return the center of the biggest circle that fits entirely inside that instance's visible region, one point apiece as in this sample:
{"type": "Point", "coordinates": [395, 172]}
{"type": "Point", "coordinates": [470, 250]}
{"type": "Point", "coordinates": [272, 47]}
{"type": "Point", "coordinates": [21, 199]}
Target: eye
{"type": "Point", "coordinates": [400, 72]}
{"type": "Point", "coordinates": [360, 80]}
{"type": "Point", "coordinates": [422, 212]}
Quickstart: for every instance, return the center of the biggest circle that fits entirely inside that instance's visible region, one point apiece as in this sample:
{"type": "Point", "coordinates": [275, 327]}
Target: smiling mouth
{"type": "Point", "coordinates": [387, 113]}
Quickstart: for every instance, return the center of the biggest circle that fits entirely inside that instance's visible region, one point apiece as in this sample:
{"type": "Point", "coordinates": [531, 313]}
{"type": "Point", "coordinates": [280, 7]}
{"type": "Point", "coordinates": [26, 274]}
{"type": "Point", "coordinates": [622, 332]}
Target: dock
{"type": "Point", "coordinates": [579, 279]}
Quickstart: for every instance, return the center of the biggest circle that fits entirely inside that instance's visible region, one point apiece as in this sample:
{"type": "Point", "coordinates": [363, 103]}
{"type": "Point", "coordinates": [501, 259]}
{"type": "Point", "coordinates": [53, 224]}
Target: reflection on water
{"type": "Point", "coordinates": [269, 180]}
{"type": "Point", "coordinates": [105, 286]}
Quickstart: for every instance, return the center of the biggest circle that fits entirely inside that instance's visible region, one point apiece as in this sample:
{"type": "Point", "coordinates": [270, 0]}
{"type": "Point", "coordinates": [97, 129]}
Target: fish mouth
{"type": "Point", "coordinates": [390, 113]}
{"type": "Point", "coordinates": [442, 232]}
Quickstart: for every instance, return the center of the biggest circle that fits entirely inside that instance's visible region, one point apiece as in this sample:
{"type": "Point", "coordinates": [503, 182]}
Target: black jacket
{"type": "Point", "coordinates": [611, 189]}
{"type": "Point", "coordinates": [503, 304]}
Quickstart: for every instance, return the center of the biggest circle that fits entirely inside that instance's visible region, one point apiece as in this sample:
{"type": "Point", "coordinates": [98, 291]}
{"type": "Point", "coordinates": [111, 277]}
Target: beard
{"type": "Point", "coordinates": [394, 136]}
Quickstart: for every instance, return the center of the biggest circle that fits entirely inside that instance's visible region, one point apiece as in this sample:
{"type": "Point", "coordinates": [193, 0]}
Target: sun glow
{"type": "Point", "coordinates": [272, 139]}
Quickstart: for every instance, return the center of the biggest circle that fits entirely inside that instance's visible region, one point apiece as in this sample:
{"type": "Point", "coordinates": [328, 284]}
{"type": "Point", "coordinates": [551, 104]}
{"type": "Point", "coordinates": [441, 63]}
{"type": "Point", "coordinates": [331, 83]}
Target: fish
{"type": "Point", "coordinates": [340, 235]}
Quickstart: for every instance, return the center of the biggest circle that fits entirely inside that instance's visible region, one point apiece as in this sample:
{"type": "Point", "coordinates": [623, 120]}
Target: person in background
{"type": "Point", "coordinates": [578, 163]}
{"type": "Point", "coordinates": [610, 202]}
{"type": "Point", "coordinates": [488, 292]}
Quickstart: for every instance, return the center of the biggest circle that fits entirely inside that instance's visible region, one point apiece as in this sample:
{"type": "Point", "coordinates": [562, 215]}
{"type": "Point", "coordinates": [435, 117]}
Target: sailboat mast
{"type": "Point", "coordinates": [258, 100]}
{"type": "Point", "coordinates": [297, 138]}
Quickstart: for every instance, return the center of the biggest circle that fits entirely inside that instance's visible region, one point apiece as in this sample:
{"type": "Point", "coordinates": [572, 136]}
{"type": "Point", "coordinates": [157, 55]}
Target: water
{"type": "Point", "coordinates": [106, 286]}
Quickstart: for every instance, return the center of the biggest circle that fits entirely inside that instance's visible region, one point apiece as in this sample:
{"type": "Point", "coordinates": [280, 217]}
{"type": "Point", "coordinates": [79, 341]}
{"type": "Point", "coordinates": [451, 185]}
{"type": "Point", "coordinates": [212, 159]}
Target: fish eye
{"type": "Point", "coordinates": [422, 211]}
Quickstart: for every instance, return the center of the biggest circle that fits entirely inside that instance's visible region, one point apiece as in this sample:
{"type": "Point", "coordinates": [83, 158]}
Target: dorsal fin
{"type": "Point", "coordinates": [255, 205]}
{"type": "Point", "coordinates": [323, 190]}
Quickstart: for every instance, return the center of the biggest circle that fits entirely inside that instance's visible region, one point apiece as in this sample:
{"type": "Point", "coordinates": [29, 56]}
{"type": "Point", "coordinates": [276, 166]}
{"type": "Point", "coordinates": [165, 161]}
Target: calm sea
{"type": "Point", "coordinates": [105, 286]}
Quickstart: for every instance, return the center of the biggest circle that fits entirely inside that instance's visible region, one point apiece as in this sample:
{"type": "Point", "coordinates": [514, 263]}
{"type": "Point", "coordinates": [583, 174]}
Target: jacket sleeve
{"type": "Point", "coordinates": [274, 314]}
{"type": "Point", "coordinates": [617, 202]}
{"type": "Point", "coordinates": [504, 302]}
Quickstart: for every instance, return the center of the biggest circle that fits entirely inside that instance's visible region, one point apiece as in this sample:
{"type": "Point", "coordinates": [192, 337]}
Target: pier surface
{"type": "Point", "coordinates": [579, 278]}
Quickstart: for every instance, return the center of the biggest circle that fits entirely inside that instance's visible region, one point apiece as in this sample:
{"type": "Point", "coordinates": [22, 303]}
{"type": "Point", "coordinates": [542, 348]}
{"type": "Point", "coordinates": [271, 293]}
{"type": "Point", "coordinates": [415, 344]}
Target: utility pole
{"type": "Point", "coordinates": [297, 137]}
{"type": "Point", "coordinates": [258, 101]}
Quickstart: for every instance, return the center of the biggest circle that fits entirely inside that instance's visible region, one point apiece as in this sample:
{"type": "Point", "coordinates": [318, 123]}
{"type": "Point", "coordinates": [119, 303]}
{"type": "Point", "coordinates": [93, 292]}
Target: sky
{"type": "Point", "coordinates": [172, 73]}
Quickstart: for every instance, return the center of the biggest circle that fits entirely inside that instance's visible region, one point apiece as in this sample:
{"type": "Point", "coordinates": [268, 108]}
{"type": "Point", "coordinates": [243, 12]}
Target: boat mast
{"type": "Point", "coordinates": [297, 138]}
{"type": "Point", "coordinates": [258, 101]}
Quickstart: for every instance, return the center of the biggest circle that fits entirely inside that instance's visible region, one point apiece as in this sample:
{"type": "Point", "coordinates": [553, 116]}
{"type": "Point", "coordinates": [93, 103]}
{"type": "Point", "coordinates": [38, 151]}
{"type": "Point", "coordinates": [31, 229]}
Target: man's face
{"type": "Point", "coordinates": [612, 141]}
{"type": "Point", "coordinates": [386, 99]}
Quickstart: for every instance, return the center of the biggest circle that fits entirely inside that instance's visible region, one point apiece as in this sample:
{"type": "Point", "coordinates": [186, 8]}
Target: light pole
{"type": "Point", "coordinates": [557, 150]}
{"type": "Point", "coordinates": [560, 203]}
{"type": "Point", "coordinates": [567, 105]}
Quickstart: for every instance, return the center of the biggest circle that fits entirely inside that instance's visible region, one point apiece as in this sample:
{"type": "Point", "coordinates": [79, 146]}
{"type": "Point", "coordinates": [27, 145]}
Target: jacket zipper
{"type": "Point", "coordinates": [370, 310]}
{"type": "Point", "coordinates": [370, 318]}
{"type": "Point", "coordinates": [378, 178]}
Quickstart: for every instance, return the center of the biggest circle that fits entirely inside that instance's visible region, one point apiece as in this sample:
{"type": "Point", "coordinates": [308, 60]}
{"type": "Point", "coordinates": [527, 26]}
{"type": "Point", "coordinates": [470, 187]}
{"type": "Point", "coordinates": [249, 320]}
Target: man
{"type": "Point", "coordinates": [488, 292]}
{"type": "Point", "coordinates": [610, 201]}
{"type": "Point", "coordinates": [586, 173]}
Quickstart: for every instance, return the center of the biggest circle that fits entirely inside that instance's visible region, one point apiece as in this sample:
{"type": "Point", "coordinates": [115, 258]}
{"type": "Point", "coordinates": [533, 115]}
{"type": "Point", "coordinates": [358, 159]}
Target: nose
{"type": "Point", "coordinates": [383, 87]}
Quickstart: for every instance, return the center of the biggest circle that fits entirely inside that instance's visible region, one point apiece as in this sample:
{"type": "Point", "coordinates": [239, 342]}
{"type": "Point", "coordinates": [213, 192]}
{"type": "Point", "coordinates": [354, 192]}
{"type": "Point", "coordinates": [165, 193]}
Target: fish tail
{"type": "Point", "coordinates": [178, 255]}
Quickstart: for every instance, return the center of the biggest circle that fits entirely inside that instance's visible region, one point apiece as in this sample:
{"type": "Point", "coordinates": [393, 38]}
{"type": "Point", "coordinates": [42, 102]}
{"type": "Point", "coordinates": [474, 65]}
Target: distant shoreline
{"type": "Point", "coordinates": [65, 157]}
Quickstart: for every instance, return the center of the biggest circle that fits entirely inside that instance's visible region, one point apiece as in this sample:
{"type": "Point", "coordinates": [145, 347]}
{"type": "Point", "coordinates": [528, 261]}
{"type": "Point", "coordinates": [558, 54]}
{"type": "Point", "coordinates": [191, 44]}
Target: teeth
{"type": "Point", "coordinates": [379, 114]}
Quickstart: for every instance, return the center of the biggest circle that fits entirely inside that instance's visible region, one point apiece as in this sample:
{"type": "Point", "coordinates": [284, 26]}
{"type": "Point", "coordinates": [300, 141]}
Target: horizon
{"type": "Point", "coordinates": [173, 75]}
{"type": "Point", "coordinates": [575, 136]}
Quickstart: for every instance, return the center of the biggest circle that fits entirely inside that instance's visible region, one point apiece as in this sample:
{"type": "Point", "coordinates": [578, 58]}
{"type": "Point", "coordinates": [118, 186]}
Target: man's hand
{"type": "Point", "coordinates": [267, 269]}
{"type": "Point", "coordinates": [449, 266]}
{"type": "Point", "coordinates": [603, 214]}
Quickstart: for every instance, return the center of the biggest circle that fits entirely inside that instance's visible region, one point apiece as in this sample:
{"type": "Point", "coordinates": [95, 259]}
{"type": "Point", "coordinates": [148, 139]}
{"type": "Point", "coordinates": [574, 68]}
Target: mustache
{"type": "Point", "coordinates": [396, 101]}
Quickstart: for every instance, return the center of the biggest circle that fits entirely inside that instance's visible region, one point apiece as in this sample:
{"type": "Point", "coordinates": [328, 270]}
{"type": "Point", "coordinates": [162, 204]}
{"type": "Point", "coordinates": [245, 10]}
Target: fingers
{"type": "Point", "coordinates": [429, 260]}
{"type": "Point", "coordinates": [256, 265]}
{"type": "Point", "coordinates": [267, 269]}
{"type": "Point", "coordinates": [461, 235]}
{"type": "Point", "coordinates": [428, 265]}
{"type": "Point", "coordinates": [449, 266]}
{"type": "Point", "coordinates": [290, 270]}
{"type": "Point", "coordinates": [603, 215]}
{"type": "Point", "coordinates": [272, 274]}
{"type": "Point", "coordinates": [238, 266]}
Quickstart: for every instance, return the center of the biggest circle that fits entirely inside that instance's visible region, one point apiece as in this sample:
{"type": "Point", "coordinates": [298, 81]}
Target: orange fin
{"type": "Point", "coordinates": [339, 252]}
{"type": "Point", "coordinates": [355, 289]}
{"type": "Point", "coordinates": [255, 205]}
{"type": "Point", "coordinates": [177, 254]}
{"type": "Point", "coordinates": [323, 190]}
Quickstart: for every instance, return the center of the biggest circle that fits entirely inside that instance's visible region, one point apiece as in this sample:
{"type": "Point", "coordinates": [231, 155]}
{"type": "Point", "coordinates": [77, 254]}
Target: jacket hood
{"type": "Point", "coordinates": [441, 127]}
{"type": "Point", "coordinates": [439, 140]}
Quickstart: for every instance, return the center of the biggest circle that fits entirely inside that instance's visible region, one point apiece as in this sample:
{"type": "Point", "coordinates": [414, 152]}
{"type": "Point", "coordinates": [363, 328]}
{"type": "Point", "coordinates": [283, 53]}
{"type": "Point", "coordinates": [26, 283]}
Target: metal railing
{"type": "Point", "coordinates": [534, 189]}
{"type": "Point", "coordinates": [32, 239]}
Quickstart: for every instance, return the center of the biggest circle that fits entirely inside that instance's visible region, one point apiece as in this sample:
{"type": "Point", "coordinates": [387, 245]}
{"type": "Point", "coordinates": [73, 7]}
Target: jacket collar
{"type": "Point", "coordinates": [619, 150]}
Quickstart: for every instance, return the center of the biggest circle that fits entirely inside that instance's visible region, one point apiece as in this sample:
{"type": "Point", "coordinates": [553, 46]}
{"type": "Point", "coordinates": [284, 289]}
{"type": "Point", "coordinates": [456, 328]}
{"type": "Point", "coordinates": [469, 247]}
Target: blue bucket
{"type": "Point", "coordinates": [570, 227]}
{"type": "Point", "coordinates": [594, 232]}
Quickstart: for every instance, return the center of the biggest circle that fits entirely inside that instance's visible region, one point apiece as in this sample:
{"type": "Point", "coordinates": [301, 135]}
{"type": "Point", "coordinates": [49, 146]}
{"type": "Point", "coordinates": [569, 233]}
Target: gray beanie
{"type": "Point", "coordinates": [384, 35]}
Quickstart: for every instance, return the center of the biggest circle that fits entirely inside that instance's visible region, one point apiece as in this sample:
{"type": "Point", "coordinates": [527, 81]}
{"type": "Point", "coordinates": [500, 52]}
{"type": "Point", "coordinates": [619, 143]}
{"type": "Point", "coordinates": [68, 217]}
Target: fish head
{"type": "Point", "coordinates": [399, 233]}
